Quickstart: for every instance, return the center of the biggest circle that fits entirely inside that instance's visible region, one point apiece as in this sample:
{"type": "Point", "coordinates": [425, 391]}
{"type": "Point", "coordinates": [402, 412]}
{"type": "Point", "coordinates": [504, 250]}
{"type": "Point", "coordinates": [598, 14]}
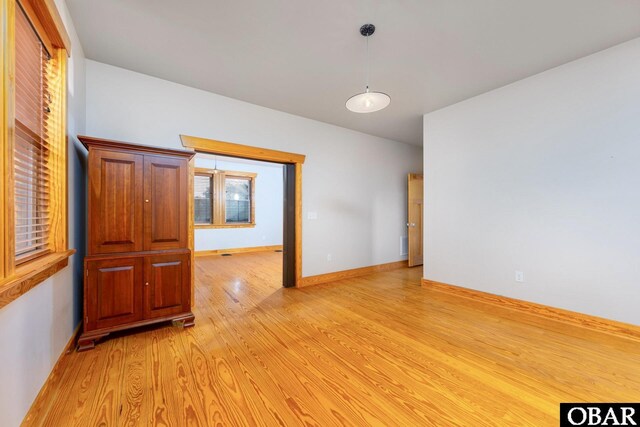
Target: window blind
{"type": "Point", "coordinates": [237, 200]}
{"type": "Point", "coordinates": [203, 207]}
{"type": "Point", "coordinates": [31, 150]}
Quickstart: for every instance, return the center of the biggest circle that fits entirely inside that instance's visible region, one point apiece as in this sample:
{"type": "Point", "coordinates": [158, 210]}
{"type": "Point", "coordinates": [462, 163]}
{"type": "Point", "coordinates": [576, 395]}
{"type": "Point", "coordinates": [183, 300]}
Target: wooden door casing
{"type": "Point", "coordinates": [167, 282]}
{"type": "Point", "coordinates": [165, 202]}
{"type": "Point", "coordinates": [115, 202]}
{"type": "Point", "coordinates": [415, 215]}
{"type": "Point", "coordinates": [113, 292]}
{"type": "Point", "coordinates": [289, 227]}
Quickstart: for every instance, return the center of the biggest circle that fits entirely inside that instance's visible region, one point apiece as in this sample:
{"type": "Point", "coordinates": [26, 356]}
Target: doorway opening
{"type": "Point", "coordinates": [238, 211]}
{"type": "Point", "coordinates": [415, 217]}
{"type": "Point", "coordinates": [292, 196]}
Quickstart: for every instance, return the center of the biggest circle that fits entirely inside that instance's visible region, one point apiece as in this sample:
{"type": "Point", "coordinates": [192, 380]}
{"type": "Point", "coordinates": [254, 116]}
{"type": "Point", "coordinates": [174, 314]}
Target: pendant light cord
{"type": "Point", "coordinates": [368, 64]}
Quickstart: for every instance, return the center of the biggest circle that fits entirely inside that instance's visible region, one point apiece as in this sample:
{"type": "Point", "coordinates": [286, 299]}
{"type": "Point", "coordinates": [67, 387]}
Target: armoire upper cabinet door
{"type": "Point", "coordinates": [165, 202]}
{"type": "Point", "coordinates": [115, 202]}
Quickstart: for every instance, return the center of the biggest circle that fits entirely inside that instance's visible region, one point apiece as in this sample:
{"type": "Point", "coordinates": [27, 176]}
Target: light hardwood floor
{"type": "Point", "coordinates": [376, 350]}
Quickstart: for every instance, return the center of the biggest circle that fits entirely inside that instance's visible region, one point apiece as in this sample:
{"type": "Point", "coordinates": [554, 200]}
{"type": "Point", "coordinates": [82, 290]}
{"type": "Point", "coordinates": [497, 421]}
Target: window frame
{"type": "Point", "coordinates": [218, 199]}
{"type": "Point", "coordinates": [17, 277]}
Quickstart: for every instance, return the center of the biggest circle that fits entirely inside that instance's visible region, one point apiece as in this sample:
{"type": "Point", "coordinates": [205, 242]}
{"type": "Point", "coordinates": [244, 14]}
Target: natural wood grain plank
{"type": "Point", "coordinates": [190, 409]}
{"type": "Point", "coordinates": [159, 411]}
{"type": "Point", "coordinates": [81, 378]}
{"type": "Point", "coordinates": [105, 406]}
{"type": "Point", "coordinates": [133, 382]}
{"type": "Point", "coordinates": [239, 150]}
{"type": "Point", "coordinates": [372, 350]}
{"type": "Point", "coordinates": [7, 130]}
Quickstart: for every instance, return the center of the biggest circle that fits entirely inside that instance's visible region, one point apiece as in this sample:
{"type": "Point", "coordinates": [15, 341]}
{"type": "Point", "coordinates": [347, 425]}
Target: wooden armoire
{"type": "Point", "coordinates": [137, 267]}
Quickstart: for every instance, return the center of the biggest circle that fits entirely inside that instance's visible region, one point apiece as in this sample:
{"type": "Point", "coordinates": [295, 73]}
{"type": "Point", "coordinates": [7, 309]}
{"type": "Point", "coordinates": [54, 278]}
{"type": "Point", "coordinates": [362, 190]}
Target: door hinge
{"type": "Point", "coordinates": [86, 319]}
{"type": "Point", "coordinates": [87, 272]}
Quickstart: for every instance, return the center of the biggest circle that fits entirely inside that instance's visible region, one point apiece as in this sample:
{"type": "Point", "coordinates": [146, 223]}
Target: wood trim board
{"type": "Point", "coordinates": [599, 324]}
{"type": "Point", "coordinates": [190, 228]}
{"type": "Point", "coordinates": [32, 274]}
{"type": "Point", "coordinates": [51, 22]}
{"type": "Point", "coordinates": [7, 12]}
{"type": "Point", "coordinates": [238, 250]}
{"type": "Point", "coordinates": [350, 274]}
{"type": "Point", "coordinates": [238, 225]}
{"type": "Point", "coordinates": [298, 224]}
{"type": "Point", "coordinates": [239, 150]}
{"type": "Point", "coordinates": [7, 121]}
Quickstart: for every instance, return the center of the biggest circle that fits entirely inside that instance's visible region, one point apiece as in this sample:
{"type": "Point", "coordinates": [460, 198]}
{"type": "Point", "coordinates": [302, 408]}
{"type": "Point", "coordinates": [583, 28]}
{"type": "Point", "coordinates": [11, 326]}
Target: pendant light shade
{"type": "Point", "coordinates": [368, 101]}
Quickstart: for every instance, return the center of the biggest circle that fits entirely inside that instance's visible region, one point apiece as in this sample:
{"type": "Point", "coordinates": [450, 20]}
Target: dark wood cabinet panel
{"type": "Point", "coordinates": [137, 267]}
{"type": "Point", "coordinates": [165, 207]}
{"type": "Point", "coordinates": [114, 292]}
{"type": "Point", "coordinates": [167, 281]}
{"type": "Point", "coordinates": [115, 202]}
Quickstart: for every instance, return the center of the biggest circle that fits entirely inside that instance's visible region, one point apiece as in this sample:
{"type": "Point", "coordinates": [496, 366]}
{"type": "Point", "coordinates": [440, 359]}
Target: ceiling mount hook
{"type": "Point", "coordinates": [367, 30]}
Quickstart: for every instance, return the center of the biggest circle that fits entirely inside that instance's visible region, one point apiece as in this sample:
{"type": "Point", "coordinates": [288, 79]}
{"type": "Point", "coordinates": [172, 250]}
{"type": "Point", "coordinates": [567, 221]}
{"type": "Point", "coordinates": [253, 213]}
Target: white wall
{"type": "Point", "coordinates": [35, 328]}
{"type": "Point", "coordinates": [542, 176]}
{"type": "Point", "coordinates": [269, 188]}
{"type": "Point", "coordinates": [355, 182]}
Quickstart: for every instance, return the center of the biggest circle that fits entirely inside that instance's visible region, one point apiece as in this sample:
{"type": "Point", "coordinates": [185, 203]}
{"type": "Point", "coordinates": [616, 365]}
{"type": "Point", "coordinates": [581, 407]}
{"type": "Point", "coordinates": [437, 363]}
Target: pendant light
{"type": "Point", "coordinates": [368, 101]}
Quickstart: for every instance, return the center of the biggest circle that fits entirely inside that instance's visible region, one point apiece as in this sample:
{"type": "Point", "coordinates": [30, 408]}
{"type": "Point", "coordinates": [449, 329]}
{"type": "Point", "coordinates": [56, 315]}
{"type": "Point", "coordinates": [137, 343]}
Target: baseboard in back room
{"type": "Point", "coordinates": [349, 274]}
{"type": "Point", "coordinates": [238, 250]}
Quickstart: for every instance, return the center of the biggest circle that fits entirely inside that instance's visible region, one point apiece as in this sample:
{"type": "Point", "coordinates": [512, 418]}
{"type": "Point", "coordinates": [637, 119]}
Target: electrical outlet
{"type": "Point", "coordinates": [329, 257]}
{"type": "Point", "coordinates": [519, 276]}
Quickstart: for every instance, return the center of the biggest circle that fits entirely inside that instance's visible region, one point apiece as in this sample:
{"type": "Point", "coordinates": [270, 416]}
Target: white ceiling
{"type": "Point", "coordinates": [307, 57]}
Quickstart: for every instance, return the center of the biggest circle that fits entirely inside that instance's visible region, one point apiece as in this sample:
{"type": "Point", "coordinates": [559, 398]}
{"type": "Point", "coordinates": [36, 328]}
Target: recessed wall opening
{"type": "Point", "coordinates": [238, 210]}
{"type": "Point", "coordinates": [291, 164]}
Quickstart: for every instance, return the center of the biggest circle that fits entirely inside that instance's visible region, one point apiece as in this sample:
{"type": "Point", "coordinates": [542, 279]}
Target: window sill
{"type": "Point", "coordinates": [31, 274]}
{"type": "Point", "coordinates": [248, 225]}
